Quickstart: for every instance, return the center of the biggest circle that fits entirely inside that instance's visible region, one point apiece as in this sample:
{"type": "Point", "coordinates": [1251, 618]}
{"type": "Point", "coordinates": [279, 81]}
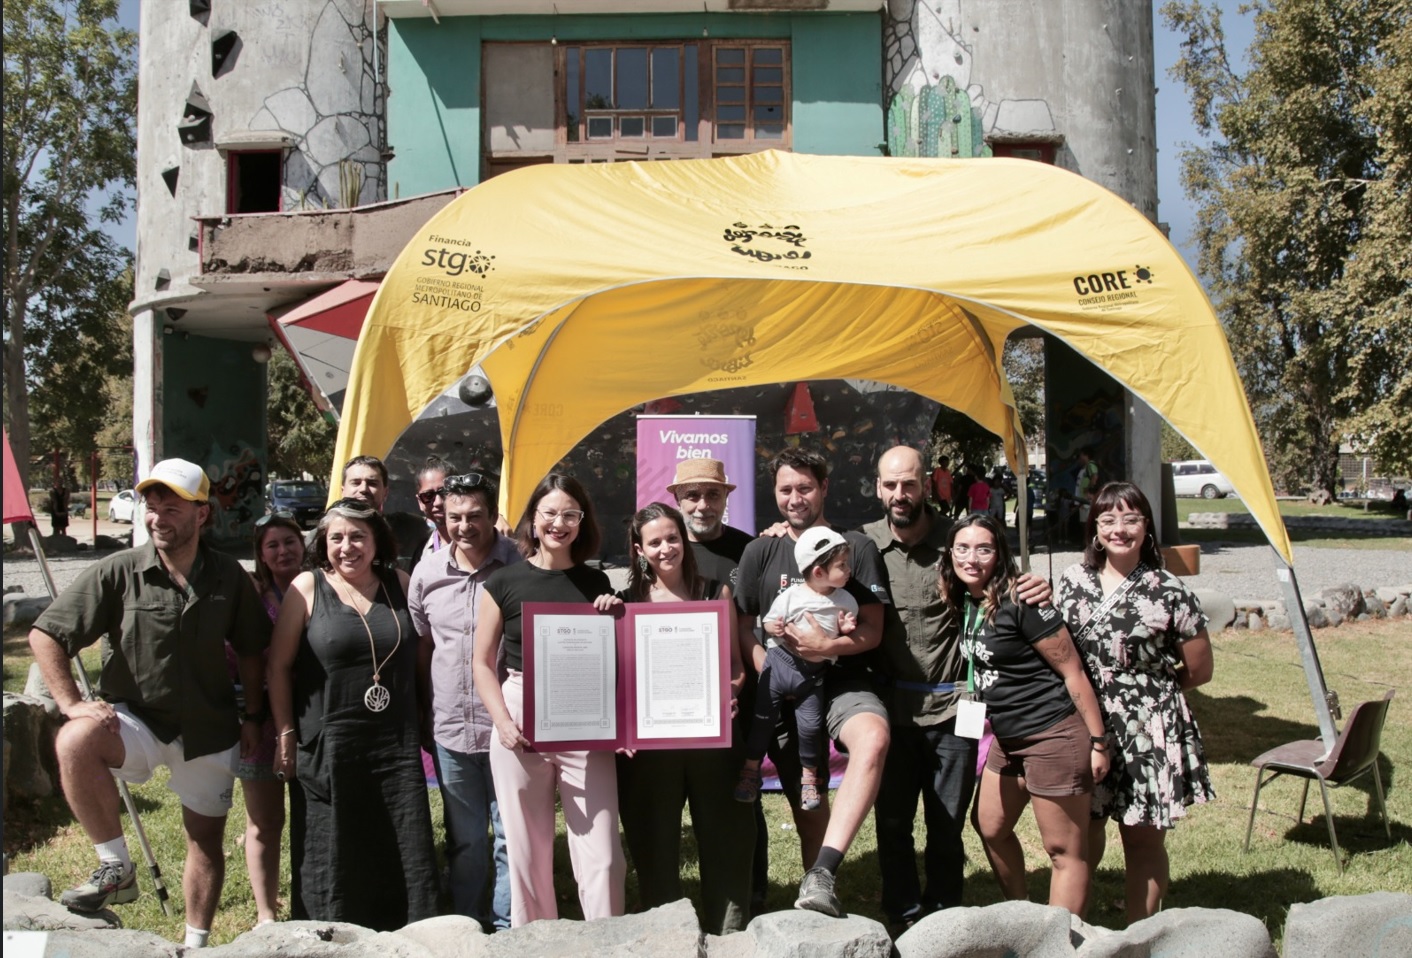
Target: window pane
{"type": "Point", "coordinates": [730, 131]}
{"type": "Point", "coordinates": [728, 113]}
{"type": "Point", "coordinates": [691, 98]}
{"type": "Point", "coordinates": [730, 74]}
{"type": "Point", "coordinates": [730, 55]}
{"type": "Point", "coordinates": [769, 55]}
{"type": "Point", "coordinates": [632, 78]}
{"type": "Point", "coordinates": [771, 131]}
{"type": "Point", "coordinates": [598, 78]}
{"type": "Point", "coordinates": [768, 94]}
{"type": "Point", "coordinates": [772, 75]}
{"type": "Point", "coordinates": [666, 81]}
{"type": "Point", "coordinates": [572, 104]}
{"type": "Point", "coordinates": [730, 94]}
{"type": "Point", "coordinates": [633, 126]}
{"type": "Point", "coordinates": [600, 128]}
{"type": "Point", "coordinates": [664, 126]}
{"type": "Point", "coordinates": [767, 114]}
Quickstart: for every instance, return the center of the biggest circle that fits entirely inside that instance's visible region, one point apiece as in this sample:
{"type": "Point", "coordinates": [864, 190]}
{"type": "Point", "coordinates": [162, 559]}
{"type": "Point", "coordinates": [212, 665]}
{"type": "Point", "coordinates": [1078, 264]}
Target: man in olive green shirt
{"type": "Point", "coordinates": [165, 611]}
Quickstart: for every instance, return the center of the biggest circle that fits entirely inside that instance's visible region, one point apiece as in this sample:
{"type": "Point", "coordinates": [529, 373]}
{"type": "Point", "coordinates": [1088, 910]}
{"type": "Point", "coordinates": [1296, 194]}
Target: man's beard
{"type": "Point", "coordinates": [904, 521]}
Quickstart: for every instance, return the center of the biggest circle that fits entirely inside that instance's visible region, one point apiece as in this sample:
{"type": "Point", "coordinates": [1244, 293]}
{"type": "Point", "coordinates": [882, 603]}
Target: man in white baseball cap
{"type": "Point", "coordinates": [164, 697]}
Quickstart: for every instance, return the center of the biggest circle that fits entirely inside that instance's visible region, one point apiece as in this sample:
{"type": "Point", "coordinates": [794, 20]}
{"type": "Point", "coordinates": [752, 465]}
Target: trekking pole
{"type": "Point", "coordinates": [87, 689]}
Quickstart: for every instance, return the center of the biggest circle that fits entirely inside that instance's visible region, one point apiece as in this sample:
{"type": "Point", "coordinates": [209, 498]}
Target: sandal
{"type": "Point", "coordinates": [747, 789]}
{"type": "Point", "coordinates": [808, 796]}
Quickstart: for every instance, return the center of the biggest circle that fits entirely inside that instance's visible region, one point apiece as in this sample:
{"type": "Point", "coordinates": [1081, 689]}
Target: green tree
{"type": "Point", "coordinates": [301, 439]}
{"type": "Point", "coordinates": [70, 95]}
{"type": "Point", "coordinates": [1303, 222]}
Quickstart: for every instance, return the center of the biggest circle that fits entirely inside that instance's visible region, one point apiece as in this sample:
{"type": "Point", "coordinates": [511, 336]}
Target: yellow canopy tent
{"type": "Point", "coordinates": [586, 290]}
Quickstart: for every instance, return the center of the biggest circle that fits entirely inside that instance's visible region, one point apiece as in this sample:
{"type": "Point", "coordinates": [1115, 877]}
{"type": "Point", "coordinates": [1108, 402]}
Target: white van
{"type": "Point", "coordinates": [1197, 477]}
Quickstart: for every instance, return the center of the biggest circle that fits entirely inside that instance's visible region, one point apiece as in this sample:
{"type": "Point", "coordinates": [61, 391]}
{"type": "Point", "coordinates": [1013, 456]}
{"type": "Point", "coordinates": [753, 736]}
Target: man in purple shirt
{"type": "Point", "coordinates": [442, 598]}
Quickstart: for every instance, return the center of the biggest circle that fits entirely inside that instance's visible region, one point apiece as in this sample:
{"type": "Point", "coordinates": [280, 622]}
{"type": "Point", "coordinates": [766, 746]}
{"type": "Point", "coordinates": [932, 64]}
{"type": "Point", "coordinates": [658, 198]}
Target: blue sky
{"type": "Point", "coordinates": [1174, 128]}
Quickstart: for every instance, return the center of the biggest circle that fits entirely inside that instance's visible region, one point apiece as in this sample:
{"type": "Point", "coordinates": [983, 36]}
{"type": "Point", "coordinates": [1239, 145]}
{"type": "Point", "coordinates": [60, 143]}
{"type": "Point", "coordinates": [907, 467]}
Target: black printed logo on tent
{"type": "Point", "coordinates": [767, 243]}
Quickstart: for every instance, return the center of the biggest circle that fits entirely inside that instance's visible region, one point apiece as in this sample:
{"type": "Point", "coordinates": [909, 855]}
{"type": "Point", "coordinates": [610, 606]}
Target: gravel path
{"type": "Point", "coordinates": [1241, 571]}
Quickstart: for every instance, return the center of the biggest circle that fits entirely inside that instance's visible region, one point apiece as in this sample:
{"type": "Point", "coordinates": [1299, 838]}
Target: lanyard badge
{"type": "Point", "coordinates": [970, 714]}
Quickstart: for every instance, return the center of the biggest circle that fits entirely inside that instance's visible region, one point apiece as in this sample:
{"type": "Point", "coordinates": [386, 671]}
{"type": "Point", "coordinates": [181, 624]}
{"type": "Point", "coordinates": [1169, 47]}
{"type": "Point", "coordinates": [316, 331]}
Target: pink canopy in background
{"type": "Point", "coordinates": [16, 494]}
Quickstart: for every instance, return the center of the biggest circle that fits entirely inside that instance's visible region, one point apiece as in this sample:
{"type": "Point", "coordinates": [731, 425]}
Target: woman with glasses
{"type": "Point", "coordinates": [1143, 638]}
{"type": "Point", "coordinates": [654, 785]}
{"type": "Point", "coordinates": [1049, 743]}
{"type": "Point", "coordinates": [344, 691]}
{"type": "Point", "coordinates": [279, 557]}
{"type": "Point", "coordinates": [557, 534]}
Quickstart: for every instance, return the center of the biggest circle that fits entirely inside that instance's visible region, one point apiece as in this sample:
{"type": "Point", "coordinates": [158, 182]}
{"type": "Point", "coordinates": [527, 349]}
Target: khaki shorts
{"type": "Point", "coordinates": [204, 784]}
{"type": "Point", "coordinates": [1054, 762]}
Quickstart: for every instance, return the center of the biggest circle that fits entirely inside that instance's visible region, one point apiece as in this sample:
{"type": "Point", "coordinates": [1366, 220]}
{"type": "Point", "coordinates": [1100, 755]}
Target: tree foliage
{"type": "Point", "coordinates": [70, 94]}
{"type": "Point", "coordinates": [1304, 224]}
{"type": "Point", "coordinates": [301, 439]}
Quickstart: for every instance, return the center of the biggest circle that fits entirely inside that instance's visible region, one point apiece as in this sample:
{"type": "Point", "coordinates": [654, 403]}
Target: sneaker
{"type": "Point", "coordinates": [816, 893]}
{"type": "Point", "coordinates": [112, 884]}
{"type": "Point", "coordinates": [809, 796]}
{"type": "Point", "coordinates": [747, 789]}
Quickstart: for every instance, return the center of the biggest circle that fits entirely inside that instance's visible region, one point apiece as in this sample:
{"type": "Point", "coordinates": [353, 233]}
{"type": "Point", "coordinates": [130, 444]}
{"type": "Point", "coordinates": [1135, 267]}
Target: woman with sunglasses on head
{"type": "Point", "coordinates": [654, 785]}
{"type": "Point", "coordinates": [557, 534]}
{"type": "Point", "coordinates": [279, 557]}
{"type": "Point", "coordinates": [344, 691]}
{"type": "Point", "coordinates": [1143, 638]}
{"type": "Point", "coordinates": [1049, 743]}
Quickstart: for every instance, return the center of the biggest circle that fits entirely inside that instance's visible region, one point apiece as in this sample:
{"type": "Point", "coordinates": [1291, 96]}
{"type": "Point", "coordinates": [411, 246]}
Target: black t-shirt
{"type": "Point", "coordinates": [718, 558]}
{"type": "Point", "coordinates": [513, 585]}
{"type": "Point", "coordinates": [768, 568]}
{"type": "Point", "coordinates": [1022, 693]}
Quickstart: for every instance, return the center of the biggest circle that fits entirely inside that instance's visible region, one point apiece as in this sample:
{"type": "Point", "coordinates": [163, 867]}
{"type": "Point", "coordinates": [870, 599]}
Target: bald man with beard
{"type": "Point", "coordinates": [925, 675]}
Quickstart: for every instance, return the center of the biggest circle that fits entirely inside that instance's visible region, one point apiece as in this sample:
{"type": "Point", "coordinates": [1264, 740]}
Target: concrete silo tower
{"type": "Point", "coordinates": [246, 107]}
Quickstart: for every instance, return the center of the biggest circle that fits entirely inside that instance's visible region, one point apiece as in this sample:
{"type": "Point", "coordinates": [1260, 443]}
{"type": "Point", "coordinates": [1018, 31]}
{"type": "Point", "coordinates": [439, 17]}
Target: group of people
{"type": "Point", "coordinates": [898, 642]}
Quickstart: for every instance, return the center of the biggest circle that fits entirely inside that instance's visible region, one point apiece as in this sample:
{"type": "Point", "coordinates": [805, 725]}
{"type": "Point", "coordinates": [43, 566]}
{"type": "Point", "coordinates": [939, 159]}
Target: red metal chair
{"type": "Point", "coordinates": [1354, 755]}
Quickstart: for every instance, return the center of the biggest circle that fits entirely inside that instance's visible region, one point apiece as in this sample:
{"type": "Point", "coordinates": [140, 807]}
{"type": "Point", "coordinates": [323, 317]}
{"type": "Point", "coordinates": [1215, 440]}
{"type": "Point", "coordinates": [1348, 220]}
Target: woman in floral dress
{"type": "Point", "coordinates": [1143, 637]}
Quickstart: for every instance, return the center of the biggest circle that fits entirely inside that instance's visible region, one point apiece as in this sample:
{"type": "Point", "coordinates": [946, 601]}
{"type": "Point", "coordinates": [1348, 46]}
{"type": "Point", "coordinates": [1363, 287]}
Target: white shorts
{"type": "Point", "coordinates": [204, 784]}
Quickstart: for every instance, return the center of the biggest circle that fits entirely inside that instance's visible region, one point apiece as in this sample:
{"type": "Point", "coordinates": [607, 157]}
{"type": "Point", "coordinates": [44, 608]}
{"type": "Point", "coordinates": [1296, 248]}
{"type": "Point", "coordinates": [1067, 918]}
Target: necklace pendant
{"type": "Point", "coordinates": [376, 698]}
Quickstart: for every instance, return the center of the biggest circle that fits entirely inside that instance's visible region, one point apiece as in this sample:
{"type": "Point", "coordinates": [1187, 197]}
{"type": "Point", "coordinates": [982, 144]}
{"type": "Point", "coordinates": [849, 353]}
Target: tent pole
{"type": "Point", "coordinates": [1326, 705]}
{"type": "Point", "coordinates": [1022, 516]}
{"type": "Point", "coordinates": [158, 886]}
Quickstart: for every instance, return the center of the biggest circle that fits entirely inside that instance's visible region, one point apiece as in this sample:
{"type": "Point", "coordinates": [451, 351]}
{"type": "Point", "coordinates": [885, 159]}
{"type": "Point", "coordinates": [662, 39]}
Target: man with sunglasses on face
{"type": "Point", "coordinates": [442, 598]}
{"type": "Point", "coordinates": [432, 504]}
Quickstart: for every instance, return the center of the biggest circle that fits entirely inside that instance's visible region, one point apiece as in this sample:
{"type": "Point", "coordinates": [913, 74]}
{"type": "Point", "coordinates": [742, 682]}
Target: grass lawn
{"type": "Point", "coordinates": [1320, 538]}
{"type": "Point", "coordinates": [1257, 700]}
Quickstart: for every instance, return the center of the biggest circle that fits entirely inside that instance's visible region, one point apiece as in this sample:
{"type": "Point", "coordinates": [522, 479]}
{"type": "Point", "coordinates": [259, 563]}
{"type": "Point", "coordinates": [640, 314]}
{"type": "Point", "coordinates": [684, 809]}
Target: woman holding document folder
{"type": "Point", "coordinates": [556, 534]}
{"type": "Point", "coordinates": [654, 785]}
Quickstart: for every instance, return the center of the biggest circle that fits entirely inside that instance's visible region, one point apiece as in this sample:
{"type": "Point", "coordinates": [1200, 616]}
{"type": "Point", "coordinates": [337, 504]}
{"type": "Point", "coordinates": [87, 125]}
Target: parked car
{"type": "Point", "coordinates": [1197, 477]}
{"type": "Point", "coordinates": [300, 498]}
{"type": "Point", "coordinates": [123, 506]}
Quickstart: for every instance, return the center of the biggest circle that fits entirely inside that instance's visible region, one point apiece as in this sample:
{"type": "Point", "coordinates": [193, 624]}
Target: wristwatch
{"type": "Point", "coordinates": [257, 717]}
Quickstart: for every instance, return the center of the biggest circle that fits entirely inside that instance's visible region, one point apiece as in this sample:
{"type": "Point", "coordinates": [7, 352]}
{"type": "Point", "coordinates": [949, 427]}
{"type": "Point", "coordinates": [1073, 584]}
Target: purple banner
{"type": "Point", "coordinates": [663, 441]}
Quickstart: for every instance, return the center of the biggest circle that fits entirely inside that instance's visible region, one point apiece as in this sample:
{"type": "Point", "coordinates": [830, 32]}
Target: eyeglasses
{"type": "Point", "coordinates": [1108, 523]}
{"type": "Point", "coordinates": [980, 552]}
{"type": "Point", "coordinates": [466, 482]}
{"type": "Point", "coordinates": [571, 517]}
{"type": "Point", "coordinates": [265, 520]}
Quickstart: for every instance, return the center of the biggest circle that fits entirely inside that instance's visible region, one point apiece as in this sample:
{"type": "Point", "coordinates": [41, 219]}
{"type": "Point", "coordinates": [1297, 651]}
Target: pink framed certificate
{"type": "Point", "coordinates": [653, 675]}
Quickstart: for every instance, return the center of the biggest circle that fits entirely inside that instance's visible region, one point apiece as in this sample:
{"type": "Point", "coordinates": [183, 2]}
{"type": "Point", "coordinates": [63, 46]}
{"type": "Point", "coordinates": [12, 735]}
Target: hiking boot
{"type": "Point", "coordinates": [112, 884]}
{"type": "Point", "coordinates": [816, 893]}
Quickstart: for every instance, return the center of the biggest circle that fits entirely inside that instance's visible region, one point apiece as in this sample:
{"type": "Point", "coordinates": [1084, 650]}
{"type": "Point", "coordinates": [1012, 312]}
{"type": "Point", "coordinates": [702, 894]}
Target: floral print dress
{"type": "Point", "coordinates": [1131, 652]}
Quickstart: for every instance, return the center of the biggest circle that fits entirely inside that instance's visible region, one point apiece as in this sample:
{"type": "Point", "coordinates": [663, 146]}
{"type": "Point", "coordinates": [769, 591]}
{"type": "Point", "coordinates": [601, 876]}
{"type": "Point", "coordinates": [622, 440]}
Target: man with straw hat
{"type": "Point", "coordinates": [700, 489]}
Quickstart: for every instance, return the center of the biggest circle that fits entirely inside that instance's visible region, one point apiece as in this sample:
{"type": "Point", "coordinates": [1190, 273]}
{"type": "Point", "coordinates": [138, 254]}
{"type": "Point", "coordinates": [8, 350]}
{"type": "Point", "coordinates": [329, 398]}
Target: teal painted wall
{"type": "Point", "coordinates": [213, 414]}
{"type": "Point", "coordinates": [433, 71]}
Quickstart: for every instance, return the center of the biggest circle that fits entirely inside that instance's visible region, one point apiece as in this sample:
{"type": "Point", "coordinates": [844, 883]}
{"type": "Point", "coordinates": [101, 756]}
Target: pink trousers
{"type": "Point", "coordinates": [588, 791]}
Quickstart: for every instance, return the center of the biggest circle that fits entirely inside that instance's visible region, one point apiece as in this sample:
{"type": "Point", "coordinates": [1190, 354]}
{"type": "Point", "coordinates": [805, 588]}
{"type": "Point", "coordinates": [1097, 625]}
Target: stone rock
{"type": "Point", "coordinates": [21, 610]}
{"type": "Point", "coordinates": [1398, 608]}
{"type": "Point", "coordinates": [1188, 933]}
{"type": "Point", "coordinates": [808, 934]}
{"type": "Point", "coordinates": [1320, 497]}
{"type": "Point", "coordinates": [1334, 616]}
{"type": "Point", "coordinates": [13, 588]}
{"type": "Point", "coordinates": [730, 946]}
{"type": "Point", "coordinates": [59, 545]}
{"type": "Point", "coordinates": [29, 885]}
{"type": "Point", "coordinates": [1377, 609]}
{"type": "Point", "coordinates": [448, 936]}
{"type": "Point", "coordinates": [665, 930]}
{"type": "Point", "coordinates": [1376, 924]}
{"type": "Point", "coordinates": [320, 939]}
{"type": "Point", "coordinates": [1388, 594]}
{"type": "Point", "coordinates": [1314, 613]}
{"type": "Point", "coordinates": [34, 913]}
{"type": "Point", "coordinates": [33, 771]}
{"type": "Point", "coordinates": [1255, 623]}
{"type": "Point", "coordinates": [1011, 927]}
{"type": "Point", "coordinates": [1219, 608]}
{"type": "Point", "coordinates": [1280, 622]}
{"type": "Point", "coordinates": [102, 543]}
{"type": "Point", "coordinates": [36, 689]}
{"type": "Point", "coordinates": [1346, 599]}
{"type": "Point", "coordinates": [122, 943]}
{"type": "Point", "coordinates": [1081, 931]}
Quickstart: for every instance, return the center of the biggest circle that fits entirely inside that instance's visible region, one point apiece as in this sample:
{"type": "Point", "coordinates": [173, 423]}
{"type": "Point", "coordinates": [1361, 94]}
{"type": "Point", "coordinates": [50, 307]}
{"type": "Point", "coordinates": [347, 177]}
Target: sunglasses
{"type": "Point", "coordinates": [467, 482]}
{"type": "Point", "coordinates": [265, 520]}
